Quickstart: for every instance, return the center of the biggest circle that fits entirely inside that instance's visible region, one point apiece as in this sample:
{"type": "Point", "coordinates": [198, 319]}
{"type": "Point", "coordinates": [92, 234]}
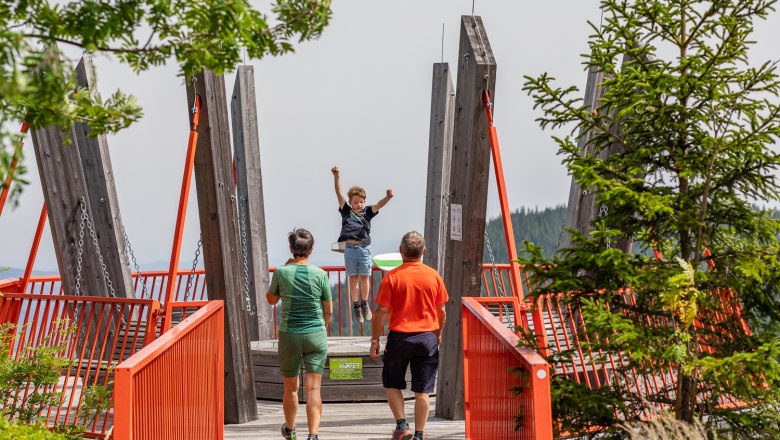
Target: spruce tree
{"type": "Point", "coordinates": [696, 123]}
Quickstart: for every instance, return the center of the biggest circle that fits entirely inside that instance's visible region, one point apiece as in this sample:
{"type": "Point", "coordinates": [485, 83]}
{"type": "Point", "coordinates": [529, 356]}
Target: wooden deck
{"type": "Point", "coordinates": [365, 421]}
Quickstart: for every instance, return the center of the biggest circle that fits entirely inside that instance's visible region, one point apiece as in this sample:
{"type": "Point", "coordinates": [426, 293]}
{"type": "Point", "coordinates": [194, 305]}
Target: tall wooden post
{"type": "Point", "coordinates": [439, 163]}
{"type": "Point", "coordinates": [251, 209]}
{"type": "Point", "coordinates": [468, 204]}
{"type": "Point", "coordinates": [582, 208]}
{"type": "Point", "coordinates": [68, 174]}
{"type": "Point", "coordinates": [221, 254]}
{"type": "Point", "coordinates": [99, 175]}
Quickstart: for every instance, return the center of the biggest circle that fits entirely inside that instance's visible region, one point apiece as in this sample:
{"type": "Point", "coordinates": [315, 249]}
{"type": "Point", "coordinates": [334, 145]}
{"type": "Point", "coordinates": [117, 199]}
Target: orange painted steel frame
{"type": "Point", "coordinates": [11, 170]}
{"type": "Point", "coordinates": [173, 388]}
{"type": "Point", "coordinates": [182, 214]}
{"type": "Point", "coordinates": [506, 216]}
{"type": "Point", "coordinates": [489, 351]}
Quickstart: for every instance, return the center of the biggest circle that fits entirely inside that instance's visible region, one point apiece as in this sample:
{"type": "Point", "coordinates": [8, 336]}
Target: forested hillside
{"type": "Point", "coordinates": [542, 227]}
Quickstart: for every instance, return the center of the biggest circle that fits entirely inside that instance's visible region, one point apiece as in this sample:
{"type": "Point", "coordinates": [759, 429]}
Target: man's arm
{"type": "Point", "coordinates": [327, 312]}
{"type": "Point", "coordinates": [337, 186]}
{"type": "Point", "coordinates": [441, 315]}
{"type": "Point", "coordinates": [381, 204]}
{"type": "Point", "coordinates": [377, 325]}
{"type": "Point", "coordinates": [271, 298]}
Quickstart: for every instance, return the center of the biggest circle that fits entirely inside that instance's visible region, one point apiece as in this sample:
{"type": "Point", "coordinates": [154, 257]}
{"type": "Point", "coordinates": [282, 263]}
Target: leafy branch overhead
{"type": "Point", "coordinates": [37, 86]}
{"type": "Point", "coordinates": [680, 148]}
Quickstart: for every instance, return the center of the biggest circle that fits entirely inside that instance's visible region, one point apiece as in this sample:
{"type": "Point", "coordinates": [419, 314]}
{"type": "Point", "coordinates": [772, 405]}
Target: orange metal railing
{"type": "Point", "coordinates": [490, 354]}
{"type": "Point", "coordinates": [172, 389]}
{"type": "Point", "coordinates": [105, 332]}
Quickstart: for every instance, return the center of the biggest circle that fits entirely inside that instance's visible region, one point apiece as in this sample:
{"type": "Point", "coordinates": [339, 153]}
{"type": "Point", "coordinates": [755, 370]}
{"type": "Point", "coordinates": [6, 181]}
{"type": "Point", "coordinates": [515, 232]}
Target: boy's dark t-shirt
{"type": "Point", "coordinates": [356, 226]}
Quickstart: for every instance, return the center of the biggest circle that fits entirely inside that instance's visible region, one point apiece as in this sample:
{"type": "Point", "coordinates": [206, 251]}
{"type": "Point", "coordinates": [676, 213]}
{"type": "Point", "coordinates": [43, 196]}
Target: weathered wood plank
{"type": "Point", "coordinates": [468, 188]}
{"type": "Point", "coordinates": [249, 185]}
{"type": "Point", "coordinates": [439, 164]}
{"type": "Point", "coordinates": [219, 233]}
{"type": "Point", "coordinates": [362, 420]}
{"type": "Point", "coordinates": [64, 184]}
{"type": "Point", "coordinates": [582, 208]}
{"type": "Point", "coordinates": [99, 177]}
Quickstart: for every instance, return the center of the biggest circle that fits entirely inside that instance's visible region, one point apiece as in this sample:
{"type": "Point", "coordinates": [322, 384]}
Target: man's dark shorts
{"type": "Point", "coordinates": [419, 350]}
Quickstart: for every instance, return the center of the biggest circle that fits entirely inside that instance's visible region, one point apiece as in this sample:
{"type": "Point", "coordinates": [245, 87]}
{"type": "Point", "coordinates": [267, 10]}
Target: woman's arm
{"type": "Point", "coordinates": [327, 312]}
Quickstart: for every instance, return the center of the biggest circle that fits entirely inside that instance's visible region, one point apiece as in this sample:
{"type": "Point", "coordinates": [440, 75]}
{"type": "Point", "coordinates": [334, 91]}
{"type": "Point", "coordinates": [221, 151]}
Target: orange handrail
{"type": "Point", "coordinates": [173, 388]}
{"type": "Point", "coordinates": [33, 250]}
{"type": "Point", "coordinates": [489, 351]}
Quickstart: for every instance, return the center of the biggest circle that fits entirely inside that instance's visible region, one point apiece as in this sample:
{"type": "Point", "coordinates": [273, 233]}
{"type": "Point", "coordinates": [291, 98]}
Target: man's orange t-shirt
{"type": "Point", "coordinates": [412, 292]}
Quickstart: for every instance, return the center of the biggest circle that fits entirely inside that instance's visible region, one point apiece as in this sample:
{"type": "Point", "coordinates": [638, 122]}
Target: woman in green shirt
{"type": "Point", "coordinates": [307, 308]}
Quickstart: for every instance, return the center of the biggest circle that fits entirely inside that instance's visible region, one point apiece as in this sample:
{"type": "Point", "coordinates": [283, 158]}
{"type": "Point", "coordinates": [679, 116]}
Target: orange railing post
{"type": "Point", "coordinates": [173, 388]}
{"type": "Point", "coordinates": [12, 170]}
{"type": "Point", "coordinates": [182, 213]}
{"type": "Point", "coordinates": [509, 234]}
{"type": "Point", "coordinates": [492, 402]}
{"type": "Point", "coordinates": [33, 250]}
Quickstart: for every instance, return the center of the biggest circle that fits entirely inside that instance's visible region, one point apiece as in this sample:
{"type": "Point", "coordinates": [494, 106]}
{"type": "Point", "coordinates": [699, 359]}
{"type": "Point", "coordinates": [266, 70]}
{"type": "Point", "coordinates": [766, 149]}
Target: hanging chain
{"type": "Point", "coordinates": [192, 272]}
{"type": "Point", "coordinates": [106, 276]}
{"type": "Point", "coordinates": [494, 269]}
{"type": "Point", "coordinates": [85, 218]}
{"type": "Point", "coordinates": [603, 212]}
{"type": "Point", "coordinates": [80, 255]}
{"type": "Point", "coordinates": [243, 202]}
{"type": "Point", "coordinates": [131, 256]}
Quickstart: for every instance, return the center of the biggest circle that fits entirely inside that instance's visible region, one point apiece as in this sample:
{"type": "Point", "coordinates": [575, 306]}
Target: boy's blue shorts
{"type": "Point", "coordinates": [357, 259]}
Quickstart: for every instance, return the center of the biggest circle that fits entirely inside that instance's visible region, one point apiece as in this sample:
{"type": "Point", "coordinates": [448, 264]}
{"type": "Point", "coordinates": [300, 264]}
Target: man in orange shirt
{"type": "Point", "coordinates": [414, 296]}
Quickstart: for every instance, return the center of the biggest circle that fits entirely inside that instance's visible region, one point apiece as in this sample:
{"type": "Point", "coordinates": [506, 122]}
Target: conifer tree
{"type": "Point", "coordinates": [696, 122]}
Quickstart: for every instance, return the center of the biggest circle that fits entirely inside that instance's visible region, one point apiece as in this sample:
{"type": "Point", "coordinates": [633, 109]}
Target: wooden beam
{"type": "Point", "coordinates": [439, 163]}
{"type": "Point", "coordinates": [99, 177]}
{"type": "Point", "coordinates": [218, 226]}
{"type": "Point", "coordinates": [468, 204]}
{"type": "Point", "coordinates": [64, 185]}
{"type": "Point", "coordinates": [582, 208]}
{"type": "Point", "coordinates": [249, 185]}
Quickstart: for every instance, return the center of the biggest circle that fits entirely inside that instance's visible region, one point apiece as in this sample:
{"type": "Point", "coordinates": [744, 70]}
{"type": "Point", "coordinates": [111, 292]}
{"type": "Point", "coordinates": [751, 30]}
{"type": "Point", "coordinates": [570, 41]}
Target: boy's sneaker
{"type": "Point", "coordinates": [357, 312]}
{"type": "Point", "coordinates": [289, 434]}
{"type": "Point", "coordinates": [404, 433]}
{"type": "Point", "coordinates": [365, 310]}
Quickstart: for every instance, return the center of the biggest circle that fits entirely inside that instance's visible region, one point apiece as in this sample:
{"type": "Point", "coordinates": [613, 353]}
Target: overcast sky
{"type": "Point", "coordinates": [359, 98]}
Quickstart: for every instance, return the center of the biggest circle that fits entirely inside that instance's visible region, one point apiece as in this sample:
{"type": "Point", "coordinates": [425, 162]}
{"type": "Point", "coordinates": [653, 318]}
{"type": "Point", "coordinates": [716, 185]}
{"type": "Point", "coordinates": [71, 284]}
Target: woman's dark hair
{"type": "Point", "coordinates": [301, 242]}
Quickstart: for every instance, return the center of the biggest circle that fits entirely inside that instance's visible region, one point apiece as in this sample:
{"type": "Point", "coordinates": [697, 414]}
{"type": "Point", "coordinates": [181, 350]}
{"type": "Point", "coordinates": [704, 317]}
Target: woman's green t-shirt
{"type": "Point", "coordinates": [302, 288]}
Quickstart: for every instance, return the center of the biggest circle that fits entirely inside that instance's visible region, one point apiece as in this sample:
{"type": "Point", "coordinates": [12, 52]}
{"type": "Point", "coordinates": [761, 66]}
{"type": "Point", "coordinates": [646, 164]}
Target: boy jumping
{"type": "Point", "coordinates": [355, 232]}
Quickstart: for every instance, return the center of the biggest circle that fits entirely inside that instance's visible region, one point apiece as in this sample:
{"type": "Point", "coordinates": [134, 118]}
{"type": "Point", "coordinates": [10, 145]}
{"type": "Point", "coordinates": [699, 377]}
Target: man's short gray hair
{"type": "Point", "coordinates": [412, 245]}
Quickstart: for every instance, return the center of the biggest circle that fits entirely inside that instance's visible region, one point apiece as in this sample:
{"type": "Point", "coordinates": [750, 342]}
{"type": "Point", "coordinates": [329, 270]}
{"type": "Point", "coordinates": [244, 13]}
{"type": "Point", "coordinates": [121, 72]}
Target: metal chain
{"type": "Point", "coordinates": [80, 256]}
{"type": "Point", "coordinates": [603, 212]}
{"type": "Point", "coordinates": [131, 255]}
{"type": "Point", "coordinates": [106, 277]}
{"type": "Point", "coordinates": [494, 269]}
{"type": "Point", "coordinates": [242, 217]}
{"type": "Point", "coordinates": [192, 272]}
{"type": "Point", "coordinates": [93, 235]}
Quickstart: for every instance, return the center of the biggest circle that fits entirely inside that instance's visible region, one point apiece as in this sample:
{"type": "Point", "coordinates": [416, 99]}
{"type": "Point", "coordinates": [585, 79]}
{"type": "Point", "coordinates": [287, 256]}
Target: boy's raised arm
{"type": "Point", "coordinates": [381, 204]}
{"type": "Point", "coordinates": [337, 186]}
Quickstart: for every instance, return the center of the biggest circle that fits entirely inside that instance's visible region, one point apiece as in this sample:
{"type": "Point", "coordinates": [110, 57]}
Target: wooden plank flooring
{"type": "Point", "coordinates": [365, 421]}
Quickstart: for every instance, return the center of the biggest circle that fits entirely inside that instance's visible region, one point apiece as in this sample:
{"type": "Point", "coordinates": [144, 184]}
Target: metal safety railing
{"type": "Point", "coordinates": [501, 380]}
{"type": "Point", "coordinates": [93, 335]}
{"type": "Point", "coordinates": [173, 388]}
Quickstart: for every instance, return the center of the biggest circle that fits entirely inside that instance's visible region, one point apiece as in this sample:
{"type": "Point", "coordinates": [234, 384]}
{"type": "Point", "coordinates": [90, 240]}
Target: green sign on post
{"type": "Point", "coordinates": [346, 368]}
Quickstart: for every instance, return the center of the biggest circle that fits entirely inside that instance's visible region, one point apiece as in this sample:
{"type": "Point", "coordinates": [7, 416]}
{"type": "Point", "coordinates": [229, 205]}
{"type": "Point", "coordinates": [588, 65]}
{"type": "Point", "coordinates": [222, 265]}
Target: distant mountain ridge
{"type": "Point", "coordinates": [542, 227]}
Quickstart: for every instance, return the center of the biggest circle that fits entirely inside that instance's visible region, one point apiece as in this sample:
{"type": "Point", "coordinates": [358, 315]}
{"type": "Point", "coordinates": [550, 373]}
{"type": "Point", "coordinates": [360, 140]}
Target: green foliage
{"type": "Point", "coordinates": [37, 86]}
{"type": "Point", "coordinates": [691, 127]}
{"type": "Point", "coordinates": [27, 386]}
{"type": "Point", "coordinates": [13, 431]}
